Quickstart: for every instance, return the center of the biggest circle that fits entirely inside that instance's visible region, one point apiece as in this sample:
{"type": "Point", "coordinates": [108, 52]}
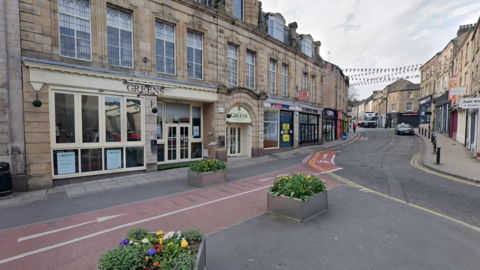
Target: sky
{"type": "Point", "coordinates": [378, 34]}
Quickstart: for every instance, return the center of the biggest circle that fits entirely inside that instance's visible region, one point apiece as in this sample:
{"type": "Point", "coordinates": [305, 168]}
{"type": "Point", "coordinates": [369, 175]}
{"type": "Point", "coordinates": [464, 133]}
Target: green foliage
{"type": "Point", "coordinates": [138, 234]}
{"type": "Point", "coordinates": [212, 165]}
{"type": "Point", "coordinates": [297, 186]}
{"type": "Point", "coordinates": [192, 235]}
{"type": "Point", "coordinates": [184, 261]}
{"type": "Point", "coordinates": [121, 258]}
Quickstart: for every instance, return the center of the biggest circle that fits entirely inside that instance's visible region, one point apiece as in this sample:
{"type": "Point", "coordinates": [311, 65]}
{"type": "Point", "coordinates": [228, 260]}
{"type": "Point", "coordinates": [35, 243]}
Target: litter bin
{"type": "Point", "coordinates": [5, 180]}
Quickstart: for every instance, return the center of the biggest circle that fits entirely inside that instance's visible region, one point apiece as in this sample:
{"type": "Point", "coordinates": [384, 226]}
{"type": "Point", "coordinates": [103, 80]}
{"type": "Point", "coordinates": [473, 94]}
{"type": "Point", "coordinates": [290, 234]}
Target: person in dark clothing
{"type": "Point", "coordinates": [354, 127]}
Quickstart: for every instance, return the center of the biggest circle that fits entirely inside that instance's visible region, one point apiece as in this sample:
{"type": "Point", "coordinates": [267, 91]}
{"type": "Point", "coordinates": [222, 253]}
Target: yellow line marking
{"type": "Point", "coordinates": [414, 163]}
{"type": "Point", "coordinates": [364, 189]}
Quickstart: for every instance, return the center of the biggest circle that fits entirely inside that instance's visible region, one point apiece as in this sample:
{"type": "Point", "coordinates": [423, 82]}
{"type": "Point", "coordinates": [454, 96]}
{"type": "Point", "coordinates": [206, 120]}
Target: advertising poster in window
{"type": "Point", "coordinates": [196, 131]}
{"type": "Point", "coordinates": [66, 163]}
{"type": "Point", "coordinates": [114, 159]}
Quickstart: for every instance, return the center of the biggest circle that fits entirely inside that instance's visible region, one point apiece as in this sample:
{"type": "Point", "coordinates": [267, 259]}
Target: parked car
{"type": "Point", "coordinates": [404, 129]}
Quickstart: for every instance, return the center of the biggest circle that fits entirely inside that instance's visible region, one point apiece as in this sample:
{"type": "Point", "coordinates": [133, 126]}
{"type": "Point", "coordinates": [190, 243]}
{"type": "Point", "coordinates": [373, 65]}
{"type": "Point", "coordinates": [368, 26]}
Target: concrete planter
{"type": "Point", "coordinates": [207, 178]}
{"type": "Point", "coordinates": [297, 209]}
{"type": "Point", "coordinates": [202, 255]}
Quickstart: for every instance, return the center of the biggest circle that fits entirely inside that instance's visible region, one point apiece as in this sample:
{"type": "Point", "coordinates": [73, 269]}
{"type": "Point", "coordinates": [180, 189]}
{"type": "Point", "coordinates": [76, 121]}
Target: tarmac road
{"type": "Point", "coordinates": [383, 163]}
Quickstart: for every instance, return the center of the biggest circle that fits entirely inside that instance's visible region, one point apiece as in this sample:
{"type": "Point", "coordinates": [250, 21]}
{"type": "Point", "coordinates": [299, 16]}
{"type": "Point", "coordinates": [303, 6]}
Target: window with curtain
{"type": "Point", "coordinates": [195, 55]}
{"type": "Point", "coordinates": [250, 70]}
{"type": "Point", "coordinates": [165, 48]}
{"type": "Point", "coordinates": [232, 64]}
{"type": "Point", "coordinates": [120, 38]}
{"type": "Point", "coordinates": [75, 32]}
{"type": "Point", "coordinates": [273, 77]}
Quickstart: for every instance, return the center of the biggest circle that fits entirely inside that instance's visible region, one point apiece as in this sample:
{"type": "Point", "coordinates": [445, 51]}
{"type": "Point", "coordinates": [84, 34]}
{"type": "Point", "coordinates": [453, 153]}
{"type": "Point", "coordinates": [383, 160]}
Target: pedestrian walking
{"type": "Point", "coordinates": [354, 127]}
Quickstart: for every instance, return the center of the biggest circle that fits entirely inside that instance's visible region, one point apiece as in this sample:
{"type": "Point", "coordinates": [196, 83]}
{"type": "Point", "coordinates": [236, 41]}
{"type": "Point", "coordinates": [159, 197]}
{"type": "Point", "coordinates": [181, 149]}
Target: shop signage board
{"type": "Point", "coordinates": [458, 91]}
{"type": "Point", "coordinates": [425, 100]}
{"type": "Point", "coordinates": [238, 115]}
{"type": "Point", "coordinates": [145, 89]}
{"type": "Point", "coordinates": [66, 163]}
{"type": "Point", "coordinates": [114, 159]}
{"type": "Point", "coordinates": [303, 95]}
{"type": "Point", "coordinates": [280, 106]}
{"type": "Point", "coordinates": [309, 110]}
{"type": "Point", "coordinates": [261, 136]}
{"type": "Point", "coordinates": [469, 103]}
{"type": "Point", "coordinates": [453, 85]}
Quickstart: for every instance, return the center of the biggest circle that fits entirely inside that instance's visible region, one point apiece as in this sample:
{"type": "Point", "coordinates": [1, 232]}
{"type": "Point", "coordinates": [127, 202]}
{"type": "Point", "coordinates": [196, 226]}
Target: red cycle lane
{"type": "Point", "coordinates": [77, 242]}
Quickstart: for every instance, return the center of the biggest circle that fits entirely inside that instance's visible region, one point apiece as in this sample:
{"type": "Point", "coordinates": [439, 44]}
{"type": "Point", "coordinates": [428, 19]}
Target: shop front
{"type": "Point", "coordinates": [425, 111]}
{"type": "Point", "coordinates": [279, 125]}
{"type": "Point", "coordinates": [329, 124]}
{"type": "Point", "coordinates": [441, 113]}
{"type": "Point", "coordinates": [472, 131]}
{"type": "Point", "coordinates": [404, 118]}
{"type": "Point", "coordinates": [308, 127]}
{"type": "Point", "coordinates": [453, 123]}
{"type": "Point", "coordinates": [92, 125]}
{"type": "Point", "coordinates": [339, 124]}
{"type": "Point", "coordinates": [238, 132]}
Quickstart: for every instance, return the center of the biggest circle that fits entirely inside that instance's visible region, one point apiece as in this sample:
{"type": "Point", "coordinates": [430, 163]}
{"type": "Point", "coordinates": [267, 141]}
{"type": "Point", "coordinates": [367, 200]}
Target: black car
{"type": "Point", "coordinates": [404, 129]}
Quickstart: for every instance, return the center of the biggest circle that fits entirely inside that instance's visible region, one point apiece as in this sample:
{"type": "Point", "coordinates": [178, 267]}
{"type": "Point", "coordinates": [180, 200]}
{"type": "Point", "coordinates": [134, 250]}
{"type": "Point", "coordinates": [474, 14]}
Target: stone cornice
{"type": "Point", "coordinates": [230, 91]}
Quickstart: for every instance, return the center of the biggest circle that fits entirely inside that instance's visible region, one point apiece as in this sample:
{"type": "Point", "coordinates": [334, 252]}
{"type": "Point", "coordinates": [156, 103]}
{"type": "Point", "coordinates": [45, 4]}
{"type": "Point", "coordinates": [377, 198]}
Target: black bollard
{"type": "Point", "coordinates": [429, 134]}
{"type": "Point", "coordinates": [435, 146]}
{"type": "Point", "coordinates": [438, 155]}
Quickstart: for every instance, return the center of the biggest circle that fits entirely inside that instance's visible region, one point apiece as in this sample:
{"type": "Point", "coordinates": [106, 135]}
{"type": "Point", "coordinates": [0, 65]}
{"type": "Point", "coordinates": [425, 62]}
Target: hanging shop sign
{"type": "Point", "coordinates": [238, 115]}
{"type": "Point", "coordinates": [453, 85]}
{"type": "Point", "coordinates": [458, 91]}
{"type": "Point", "coordinates": [340, 115]}
{"type": "Point", "coordinates": [469, 103]}
{"type": "Point", "coordinates": [303, 95]}
{"type": "Point", "coordinates": [280, 106]}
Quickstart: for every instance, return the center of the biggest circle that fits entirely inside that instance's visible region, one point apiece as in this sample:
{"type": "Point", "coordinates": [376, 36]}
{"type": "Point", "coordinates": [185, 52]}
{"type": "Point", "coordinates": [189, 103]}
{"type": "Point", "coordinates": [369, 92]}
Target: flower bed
{"type": "Point", "coordinates": [207, 172]}
{"type": "Point", "coordinates": [297, 186]}
{"type": "Point", "coordinates": [164, 251]}
{"type": "Point", "coordinates": [298, 197]}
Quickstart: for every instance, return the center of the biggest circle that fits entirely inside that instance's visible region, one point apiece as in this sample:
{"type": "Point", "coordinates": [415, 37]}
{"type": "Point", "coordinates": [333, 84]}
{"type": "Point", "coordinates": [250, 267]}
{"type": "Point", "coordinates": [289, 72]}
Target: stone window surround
{"type": "Point", "coordinates": [108, 5]}
{"type": "Point", "coordinates": [252, 66]}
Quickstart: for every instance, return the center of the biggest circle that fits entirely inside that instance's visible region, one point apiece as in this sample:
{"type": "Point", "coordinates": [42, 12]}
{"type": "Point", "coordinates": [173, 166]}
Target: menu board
{"type": "Point", "coordinates": [66, 163]}
{"type": "Point", "coordinates": [114, 159]}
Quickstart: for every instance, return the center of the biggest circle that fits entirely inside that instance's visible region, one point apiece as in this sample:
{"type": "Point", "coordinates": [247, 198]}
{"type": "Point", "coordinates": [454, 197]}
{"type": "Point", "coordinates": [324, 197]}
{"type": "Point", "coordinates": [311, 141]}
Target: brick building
{"type": "Point", "coordinates": [126, 86]}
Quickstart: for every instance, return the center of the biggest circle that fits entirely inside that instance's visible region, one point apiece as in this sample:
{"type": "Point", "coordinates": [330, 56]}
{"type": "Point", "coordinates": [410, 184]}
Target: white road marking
{"type": "Point", "coordinates": [266, 179]}
{"type": "Point", "coordinates": [120, 227]}
{"type": "Point", "coordinates": [393, 139]}
{"type": "Point", "coordinates": [333, 159]}
{"type": "Point", "coordinates": [66, 228]}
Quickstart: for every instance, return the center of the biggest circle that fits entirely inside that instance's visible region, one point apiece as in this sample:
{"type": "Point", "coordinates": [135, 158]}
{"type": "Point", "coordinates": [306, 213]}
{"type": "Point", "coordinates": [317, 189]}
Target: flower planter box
{"type": "Point", "coordinates": [207, 178]}
{"type": "Point", "coordinates": [297, 209]}
{"type": "Point", "coordinates": [202, 255]}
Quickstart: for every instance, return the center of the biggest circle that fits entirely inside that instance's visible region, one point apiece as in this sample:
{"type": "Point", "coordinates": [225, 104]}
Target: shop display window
{"type": "Point", "coordinates": [159, 121]}
{"type": "Point", "coordinates": [90, 119]}
{"type": "Point", "coordinates": [197, 122]}
{"type": "Point", "coordinates": [271, 128]}
{"type": "Point", "coordinates": [177, 113]}
{"type": "Point", "coordinates": [134, 120]}
{"type": "Point", "coordinates": [65, 118]}
{"type": "Point", "coordinates": [134, 157]}
{"type": "Point", "coordinates": [113, 123]}
{"type": "Point", "coordinates": [65, 162]}
{"type": "Point", "coordinates": [113, 158]}
{"type": "Point", "coordinates": [196, 150]}
{"type": "Point", "coordinates": [91, 160]}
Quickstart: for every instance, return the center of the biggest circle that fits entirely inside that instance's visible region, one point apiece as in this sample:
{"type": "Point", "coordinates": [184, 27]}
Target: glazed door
{"type": "Point", "coordinates": [234, 141]}
{"type": "Point", "coordinates": [177, 143]}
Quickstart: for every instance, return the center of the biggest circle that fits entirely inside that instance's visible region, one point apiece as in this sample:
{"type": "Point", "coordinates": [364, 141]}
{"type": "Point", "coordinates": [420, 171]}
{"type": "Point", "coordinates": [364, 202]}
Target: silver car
{"type": "Point", "coordinates": [404, 129]}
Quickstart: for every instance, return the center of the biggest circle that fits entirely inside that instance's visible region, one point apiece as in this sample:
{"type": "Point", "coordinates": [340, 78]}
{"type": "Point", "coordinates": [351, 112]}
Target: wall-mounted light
{"type": "Point", "coordinates": [37, 103]}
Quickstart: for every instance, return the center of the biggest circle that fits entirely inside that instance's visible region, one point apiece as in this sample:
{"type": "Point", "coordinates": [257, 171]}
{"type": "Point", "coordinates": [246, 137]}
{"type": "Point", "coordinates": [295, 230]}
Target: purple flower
{"type": "Point", "coordinates": [151, 252]}
{"type": "Point", "coordinates": [124, 243]}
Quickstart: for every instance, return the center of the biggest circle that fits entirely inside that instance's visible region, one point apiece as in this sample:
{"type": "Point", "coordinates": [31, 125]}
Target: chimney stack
{"type": "Point", "coordinates": [464, 28]}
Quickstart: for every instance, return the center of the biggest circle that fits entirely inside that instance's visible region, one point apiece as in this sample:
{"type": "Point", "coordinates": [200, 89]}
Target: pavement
{"type": "Point", "coordinates": [455, 159]}
{"type": "Point", "coordinates": [85, 188]}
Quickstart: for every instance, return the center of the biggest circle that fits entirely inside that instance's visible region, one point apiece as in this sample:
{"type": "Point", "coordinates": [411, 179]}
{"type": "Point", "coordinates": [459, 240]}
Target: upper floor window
{"type": "Point", "coordinates": [165, 48]}
{"type": "Point", "coordinates": [272, 77]}
{"type": "Point", "coordinates": [74, 24]}
{"type": "Point", "coordinates": [232, 64]}
{"type": "Point", "coordinates": [195, 55]}
{"type": "Point", "coordinates": [205, 2]}
{"type": "Point", "coordinates": [409, 106]}
{"type": "Point", "coordinates": [307, 46]}
{"type": "Point", "coordinates": [120, 38]}
{"type": "Point", "coordinates": [238, 9]}
{"type": "Point", "coordinates": [409, 94]}
{"type": "Point", "coordinates": [285, 80]}
{"type": "Point", "coordinates": [313, 89]}
{"type": "Point", "coordinates": [250, 70]}
{"type": "Point", "coordinates": [275, 28]}
{"type": "Point", "coordinates": [305, 82]}
{"type": "Point", "coordinates": [394, 107]}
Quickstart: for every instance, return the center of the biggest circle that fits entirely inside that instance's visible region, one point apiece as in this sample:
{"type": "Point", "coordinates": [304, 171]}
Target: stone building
{"type": "Point", "coordinates": [119, 87]}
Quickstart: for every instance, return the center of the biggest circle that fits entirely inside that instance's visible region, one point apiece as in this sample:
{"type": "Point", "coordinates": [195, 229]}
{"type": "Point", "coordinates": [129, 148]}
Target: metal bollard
{"type": "Point", "coordinates": [435, 146]}
{"type": "Point", "coordinates": [433, 137]}
{"type": "Point", "coordinates": [429, 134]}
{"type": "Point", "coordinates": [438, 155]}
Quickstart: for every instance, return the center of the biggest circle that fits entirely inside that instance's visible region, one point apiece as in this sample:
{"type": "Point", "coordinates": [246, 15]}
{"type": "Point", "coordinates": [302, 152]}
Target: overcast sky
{"type": "Point", "coordinates": [378, 33]}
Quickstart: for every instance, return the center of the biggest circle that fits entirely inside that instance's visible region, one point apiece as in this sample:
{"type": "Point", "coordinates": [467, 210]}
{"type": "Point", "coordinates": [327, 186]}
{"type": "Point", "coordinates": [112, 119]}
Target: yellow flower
{"type": "Point", "coordinates": [132, 239]}
{"type": "Point", "coordinates": [170, 244]}
{"type": "Point", "coordinates": [159, 233]}
{"type": "Point", "coordinates": [160, 240]}
{"type": "Point", "coordinates": [184, 243]}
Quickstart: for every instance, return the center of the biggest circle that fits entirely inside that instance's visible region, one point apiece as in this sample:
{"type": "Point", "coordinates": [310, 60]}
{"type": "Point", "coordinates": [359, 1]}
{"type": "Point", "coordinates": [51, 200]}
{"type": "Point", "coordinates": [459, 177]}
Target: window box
{"type": "Point", "coordinates": [206, 179]}
{"type": "Point", "coordinates": [297, 209]}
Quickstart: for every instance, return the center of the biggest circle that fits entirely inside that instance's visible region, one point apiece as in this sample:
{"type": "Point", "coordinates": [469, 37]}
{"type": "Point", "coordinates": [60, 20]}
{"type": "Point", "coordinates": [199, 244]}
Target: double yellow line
{"type": "Point", "coordinates": [414, 163]}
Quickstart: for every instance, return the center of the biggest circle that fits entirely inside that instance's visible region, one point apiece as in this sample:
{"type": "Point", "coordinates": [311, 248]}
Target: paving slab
{"type": "Point", "coordinates": [55, 190]}
{"type": "Point", "coordinates": [15, 199]}
{"type": "Point", "coordinates": [126, 182]}
{"type": "Point", "coordinates": [111, 184]}
{"type": "Point", "coordinates": [74, 190]}
{"type": "Point", "coordinates": [92, 186]}
{"type": "Point", "coordinates": [142, 181]}
{"type": "Point", "coordinates": [34, 196]}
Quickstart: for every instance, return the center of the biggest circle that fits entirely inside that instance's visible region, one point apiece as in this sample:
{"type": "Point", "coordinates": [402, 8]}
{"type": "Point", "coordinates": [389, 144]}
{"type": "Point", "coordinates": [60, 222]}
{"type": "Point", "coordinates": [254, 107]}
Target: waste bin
{"type": "Point", "coordinates": [5, 180]}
